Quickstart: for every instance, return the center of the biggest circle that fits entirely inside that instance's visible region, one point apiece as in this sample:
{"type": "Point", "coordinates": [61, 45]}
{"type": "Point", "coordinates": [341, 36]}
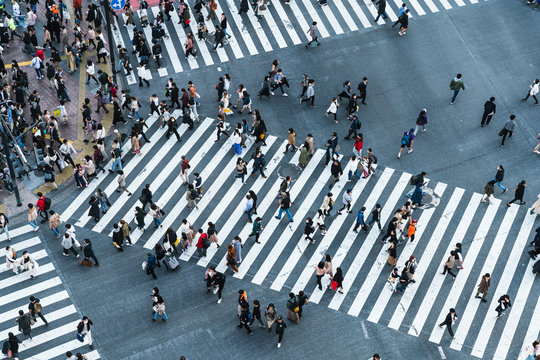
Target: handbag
{"type": "Point", "coordinates": [87, 262]}
{"type": "Point", "coordinates": [80, 337]}
{"type": "Point", "coordinates": [56, 113]}
{"type": "Point", "coordinates": [144, 265]}
{"type": "Point", "coordinates": [262, 7]}
{"type": "Point", "coordinates": [502, 132]}
{"type": "Point", "coordinates": [333, 285]}
{"type": "Point", "coordinates": [47, 176]}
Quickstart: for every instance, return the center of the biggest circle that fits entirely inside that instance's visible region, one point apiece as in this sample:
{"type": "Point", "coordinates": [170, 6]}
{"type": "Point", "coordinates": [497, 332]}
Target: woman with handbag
{"type": "Point", "coordinates": [392, 254]}
{"type": "Point", "coordinates": [337, 281]}
{"type": "Point", "coordinates": [156, 214]}
{"type": "Point", "coordinates": [231, 257]}
{"type": "Point", "coordinates": [159, 310]}
{"type": "Point", "coordinates": [48, 175]}
{"type": "Point", "coordinates": [241, 169]}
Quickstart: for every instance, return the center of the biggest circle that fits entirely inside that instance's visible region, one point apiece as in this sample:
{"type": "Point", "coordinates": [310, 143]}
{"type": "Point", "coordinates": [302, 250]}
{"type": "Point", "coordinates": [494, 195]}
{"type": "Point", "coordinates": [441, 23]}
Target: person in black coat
{"type": "Point", "coordinates": [83, 328]}
{"type": "Point", "coordinates": [94, 208]}
{"type": "Point", "coordinates": [449, 321]}
{"type": "Point", "coordinates": [175, 93]}
{"type": "Point", "coordinates": [362, 87]}
{"type": "Point", "coordinates": [89, 252]}
{"type": "Point", "coordinates": [280, 329]}
{"type": "Point", "coordinates": [489, 111]}
{"type": "Point", "coordinates": [244, 7]}
{"type": "Point", "coordinates": [381, 10]}
{"type": "Point", "coordinates": [220, 86]}
{"type": "Point", "coordinates": [404, 20]}
{"type": "Point", "coordinates": [244, 320]}
{"type": "Point", "coordinates": [146, 196]}
{"type": "Point", "coordinates": [117, 237]}
{"type": "Point", "coordinates": [519, 191]}
{"type": "Point", "coordinates": [338, 278]}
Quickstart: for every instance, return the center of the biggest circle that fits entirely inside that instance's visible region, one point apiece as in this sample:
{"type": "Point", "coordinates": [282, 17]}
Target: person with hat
{"type": "Point", "coordinates": [280, 329]}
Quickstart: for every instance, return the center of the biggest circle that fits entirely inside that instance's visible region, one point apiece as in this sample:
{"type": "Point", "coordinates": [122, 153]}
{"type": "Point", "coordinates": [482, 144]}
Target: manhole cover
{"type": "Point", "coordinates": [429, 199]}
{"type": "Point", "coordinates": [289, 170]}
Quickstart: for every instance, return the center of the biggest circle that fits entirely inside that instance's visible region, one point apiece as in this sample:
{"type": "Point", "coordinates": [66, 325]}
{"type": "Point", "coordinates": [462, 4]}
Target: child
{"type": "Point", "coordinates": [412, 230]}
{"type": "Point", "coordinates": [63, 112]}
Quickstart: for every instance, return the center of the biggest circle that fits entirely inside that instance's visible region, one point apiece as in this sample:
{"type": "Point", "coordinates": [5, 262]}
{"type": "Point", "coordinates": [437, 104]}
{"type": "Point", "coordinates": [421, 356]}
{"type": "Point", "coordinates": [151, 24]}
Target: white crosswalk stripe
{"type": "Point", "coordinates": [284, 260]}
{"type": "Point", "coordinates": [61, 314]}
{"type": "Point", "coordinates": [294, 18]}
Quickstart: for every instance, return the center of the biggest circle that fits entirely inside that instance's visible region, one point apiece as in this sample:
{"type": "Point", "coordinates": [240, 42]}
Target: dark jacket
{"type": "Point", "coordinates": [336, 169]}
{"type": "Point", "coordinates": [520, 191]}
{"type": "Point", "coordinates": [94, 209]}
{"type": "Point", "coordinates": [500, 175]}
{"type": "Point", "coordinates": [280, 327]}
{"type": "Point", "coordinates": [382, 6]}
{"type": "Point", "coordinates": [490, 107]}
{"type": "Point", "coordinates": [87, 250]}
{"type": "Point", "coordinates": [362, 88]}
{"type": "Point", "coordinates": [81, 326]}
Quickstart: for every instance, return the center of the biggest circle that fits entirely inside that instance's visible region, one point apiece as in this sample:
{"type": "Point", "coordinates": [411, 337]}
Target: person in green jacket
{"type": "Point", "coordinates": [304, 155]}
{"type": "Point", "coordinates": [456, 84]}
{"type": "Point", "coordinates": [257, 228]}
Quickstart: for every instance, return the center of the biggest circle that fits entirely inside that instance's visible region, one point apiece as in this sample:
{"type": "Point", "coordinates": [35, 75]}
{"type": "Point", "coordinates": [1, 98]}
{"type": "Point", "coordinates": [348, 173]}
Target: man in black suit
{"type": "Point", "coordinates": [489, 111]}
{"type": "Point", "coordinates": [449, 321]}
{"type": "Point", "coordinates": [362, 87]}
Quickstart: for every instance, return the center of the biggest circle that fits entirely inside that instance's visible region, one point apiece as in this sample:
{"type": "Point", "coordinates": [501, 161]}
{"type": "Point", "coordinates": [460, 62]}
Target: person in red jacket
{"type": "Point", "coordinates": [42, 211]}
{"type": "Point", "coordinates": [185, 170]}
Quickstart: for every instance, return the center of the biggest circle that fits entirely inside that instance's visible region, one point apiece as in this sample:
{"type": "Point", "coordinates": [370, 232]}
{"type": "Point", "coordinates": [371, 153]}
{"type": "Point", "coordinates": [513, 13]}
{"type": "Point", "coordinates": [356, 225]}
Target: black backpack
{"type": "Point", "coordinates": [415, 179]}
{"type": "Point", "coordinates": [6, 347]}
{"type": "Point", "coordinates": [193, 194]}
{"type": "Point", "coordinates": [48, 203]}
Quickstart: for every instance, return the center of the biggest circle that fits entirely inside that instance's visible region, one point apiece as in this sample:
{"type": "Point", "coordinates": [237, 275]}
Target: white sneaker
{"type": "Point", "coordinates": [424, 130]}
{"type": "Point", "coordinates": [271, 93]}
{"type": "Point", "coordinates": [285, 94]}
{"type": "Point", "coordinates": [219, 301]}
{"type": "Point", "coordinates": [36, 229]}
{"type": "Point", "coordinates": [278, 345]}
{"type": "Point", "coordinates": [410, 151]}
{"type": "Point", "coordinates": [399, 155]}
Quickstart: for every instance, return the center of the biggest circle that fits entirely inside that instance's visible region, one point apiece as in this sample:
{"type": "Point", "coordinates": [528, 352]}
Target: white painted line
{"type": "Point", "coordinates": [287, 23]}
{"type": "Point", "coordinates": [313, 13]}
{"type": "Point", "coordinates": [262, 206]}
{"type": "Point", "coordinates": [345, 15]}
{"type": "Point", "coordinates": [437, 282]}
{"type": "Point", "coordinates": [46, 301]}
{"type": "Point", "coordinates": [182, 37]}
{"type": "Point", "coordinates": [512, 262]}
{"type": "Point", "coordinates": [441, 352]}
{"type": "Point", "coordinates": [53, 316]}
{"type": "Point", "coordinates": [367, 244]}
{"type": "Point", "coordinates": [299, 16]}
{"type": "Point", "coordinates": [391, 14]}
{"type": "Point", "coordinates": [425, 259]}
{"type": "Point", "coordinates": [25, 275]}
{"type": "Point", "coordinates": [474, 1]}
{"type": "Point", "coordinates": [274, 28]}
{"type": "Point", "coordinates": [460, 2]}
{"type": "Point", "coordinates": [431, 6]}
{"type": "Point", "coordinates": [201, 44]}
{"type": "Point", "coordinates": [398, 5]}
{"type": "Point", "coordinates": [162, 72]}
{"type": "Point", "coordinates": [94, 355]}
{"type": "Point", "coordinates": [164, 174]}
{"type": "Point", "coordinates": [323, 246]}
{"type": "Point", "coordinates": [175, 212]}
{"type": "Point", "coordinates": [171, 49]}
{"type": "Point", "coordinates": [300, 214]}
{"type": "Point", "coordinates": [211, 29]}
{"type": "Point", "coordinates": [468, 263]}
{"type": "Point", "coordinates": [50, 335]}
{"type": "Point", "coordinates": [360, 14]}
{"type": "Point", "coordinates": [534, 324]}
{"type": "Point", "coordinates": [332, 19]}
{"type": "Point", "coordinates": [446, 4]}
{"type": "Point", "coordinates": [65, 347]}
{"type": "Point", "coordinates": [141, 178]}
{"type": "Point", "coordinates": [324, 243]}
{"type": "Point", "coordinates": [239, 22]}
{"type": "Point", "coordinates": [212, 190]}
{"type": "Point", "coordinates": [258, 29]}
{"type": "Point", "coordinates": [84, 195]}
{"type": "Point", "coordinates": [385, 293]}
{"type": "Point", "coordinates": [371, 278]}
{"type": "Point", "coordinates": [274, 223]}
{"type": "Point", "coordinates": [237, 214]}
{"type": "Point", "coordinates": [232, 41]}
{"type": "Point", "coordinates": [16, 232]}
{"type": "Point", "coordinates": [117, 37]}
{"type": "Point", "coordinates": [129, 29]}
{"type": "Point", "coordinates": [513, 318]}
{"type": "Point", "coordinates": [366, 336]}
{"type": "Point", "coordinates": [30, 290]}
{"type": "Point", "coordinates": [373, 10]}
{"type": "Point", "coordinates": [416, 6]}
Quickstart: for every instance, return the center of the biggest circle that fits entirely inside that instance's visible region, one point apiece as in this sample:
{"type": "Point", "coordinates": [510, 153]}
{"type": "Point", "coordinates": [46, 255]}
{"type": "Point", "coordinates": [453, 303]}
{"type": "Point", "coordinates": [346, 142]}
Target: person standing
{"type": "Point", "coordinates": [362, 87]}
{"type": "Point", "coordinates": [449, 264]}
{"type": "Point", "coordinates": [456, 85]}
{"type": "Point", "coordinates": [450, 319]}
{"type": "Point", "coordinates": [381, 9]}
{"type": "Point", "coordinates": [534, 88]}
{"type": "Point", "coordinates": [280, 329]}
{"type": "Point", "coordinates": [519, 191]}
{"type": "Point", "coordinates": [89, 252]}
{"type": "Point", "coordinates": [508, 128]}
{"type": "Point", "coordinates": [489, 110]}
{"type": "Point", "coordinates": [312, 31]}
{"type": "Point", "coordinates": [499, 176]}
{"type": "Point", "coordinates": [504, 303]}
{"type": "Point", "coordinates": [23, 322]}
{"type": "Point", "coordinates": [84, 329]}
{"type": "Point", "coordinates": [284, 205]}
{"type": "Point", "coordinates": [483, 287]}
{"type": "Point", "coordinates": [35, 308]}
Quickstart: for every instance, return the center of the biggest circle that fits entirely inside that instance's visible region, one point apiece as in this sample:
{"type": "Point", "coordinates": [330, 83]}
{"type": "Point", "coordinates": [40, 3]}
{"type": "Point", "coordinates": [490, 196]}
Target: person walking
{"type": "Point", "coordinates": [184, 165]}
{"type": "Point", "coordinates": [362, 87]}
{"type": "Point", "coordinates": [421, 121]}
{"type": "Point", "coordinates": [151, 263]}
{"type": "Point", "coordinates": [159, 310]}
{"type": "Point", "coordinates": [347, 201]}
{"type": "Point", "coordinates": [535, 208]}
{"type": "Point", "coordinates": [332, 109]}
{"type": "Point", "coordinates": [256, 313]}
{"type": "Point", "coordinates": [488, 192]}
{"type": "Point", "coordinates": [244, 320]}
{"type": "Point", "coordinates": [381, 10]}
{"type": "Point", "coordinates": [139, 217]}
{"type": "Point", "coordinates": [270, 314]}
{"type": "Point", "coordinates": [67, 244]}
{"type": "Point", "coordinates": [191, 197]}
{"type": "Point", "coordinates": [35, 308]}
{"type": "Point", "coordinates": [404, 20]}
{"type": "Point", "coordinates": [499, 176]}
{"type": "Point", "coordinates": [489, 110]}
{"type": "Point", "coordinates": [257, 229]}
{"type": "Point", "coordinates": [4, 221]}
{"type": "Point", "coordinates": [88, 253]}
{"type": "Point", "coordinates": [54, 222]}
{"type": "Point", "coordinates": [117, 237]}
{"type": "Point", "coordinates": [411, 230]}
{"type": "Point", "coordinates": [231, 257]}
{"type": "Point", "coordinates": [504, 303]}
{"type": "Point", "coordinates": [84, 330]}
{"type": "Point", "coordinates": [402, 9]}
{"type": "Point", "coordinates": [122, 183]}
{"type": "Point", "coordinates": [534, 88]}
{"type": "Point", "coordinates": [450, 319]}
{"type": "Point", "coordinates": [94, 208]}
{"type": "Point", "coordinates": [280, 329]}
{"type": "Point", "coordinates": [146, 196]}
{"type": "Point", "coordinates": [293, 308]}
{"type": "Point", "coordinates": [407, 140]}
{"type": "Point", "coordinates": [319, 273]}
{"type": "Point", "coordinates": [284, 205]}
{"type": "Point", "coordinates": [336, 172]}
{"type": "Point", "coordinates": [449, 264]}
{"type": "Point", "coordinates": [456, 85]}
{"type": "Point", "coordinates": [23, 322]}
{"type": "Point", "coordinates": [519, 191]}
{"type": "Point", "coordinates": [483, 287]}
{"type": "Point", "coordinates": [508, 128]}
{"type": "Point", "coordinates": [360, 220]}
{"type": "Point", "coordinates": [376, 217]}
{"type": "Point", "coordinates": [312, 31]}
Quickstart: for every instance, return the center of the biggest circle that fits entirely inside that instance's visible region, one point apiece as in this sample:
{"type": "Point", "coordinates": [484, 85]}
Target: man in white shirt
{"type": "Point", "coordinates": [535, 87]}
{"type": "Point", "coordinates": [66, 149]}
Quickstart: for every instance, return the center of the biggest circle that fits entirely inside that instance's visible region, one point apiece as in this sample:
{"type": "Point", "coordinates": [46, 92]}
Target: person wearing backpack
{"type": "Point", "coordinates": [407, 140]}
{"type": "Point", "coordinates": [203, 243]}
{"type": "Point", "coordinates": [43, 204]}
{"type": "Point", "coordinates": [191, 197]}
{"type": "Point", "coordinates": [35, 308]}
{"type": "Point", "coordinates": [24, 324]}
{"type": "Point", "coordinates": [421, 121]}
{"type": "Point", "coordinates": [244, 320]}
{"type": "Point", "coordinates": [292, 308]}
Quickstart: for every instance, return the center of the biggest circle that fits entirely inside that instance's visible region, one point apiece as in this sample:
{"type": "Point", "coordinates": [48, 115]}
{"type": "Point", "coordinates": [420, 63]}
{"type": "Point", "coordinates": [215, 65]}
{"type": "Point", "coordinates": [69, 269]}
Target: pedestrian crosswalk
{"type": "Point", "coordinates": [284, 24]}
{"type": "Point", "coordinates": [494, 238]}
{"type": "Point", "coordinates": [54, 340]}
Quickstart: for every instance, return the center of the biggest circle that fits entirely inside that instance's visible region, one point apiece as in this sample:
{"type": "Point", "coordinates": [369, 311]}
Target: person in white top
{"type": "Point", "coordinates": [226, 82]}
{"type": "Point", "coordinates": [37, 63]}
{"type": "Point", "coordinates": [533, 91]}
{"type": "Point", "coordinates": [71, 231]}
{"type": "Point", "coordinates": [30, 17]}
{"type": "Point", "coordinates": [143, 74]}
{"type": "Point", "coordinates": [91, 72]}
{"type": "Point", "coordinates": [66, 149]}
{"type": "Point", "coordinates": [332, 109]}
{"type": "Point", "coordinates": [28, 263]}
{"type": "Point", "coordinates": [186, 228]}
{"type": "Point", "coordinates": [101, 132]}
{"type": "Point", "coordinates": [11, 260]}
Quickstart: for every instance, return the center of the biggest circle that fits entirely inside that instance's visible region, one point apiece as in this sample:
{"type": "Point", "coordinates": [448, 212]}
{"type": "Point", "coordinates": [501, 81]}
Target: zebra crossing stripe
{"type": "Point", "coordinates": [201, 44]}
{"type": "Point", "coordinates": [25, 275]}
{"type": "Point", "coordinates": [468, 263]}
{"type": "Point", "coordinates": [301, 213]}
{"type": "Point", "coordinates": [273, 223]}
{"type": "Point", "coordinates": [45, 301]}
{"type": "Point", "coordinates": [459, 235]}
{"type": "Point", "coordinates": [258, 29]}
{"type": "Point", "coordinates": [361, 297]}
{"type": "Point", "coordinates": [236, 215]}
{"type": "Point", "coordinates": [287, 24]}
{"type": "Point", "coordinates": [117, 36]}
{"type": "Point", "coordinates": [346, 244]}
{"type": "Point", "coordinates": [323, 246]}
{"type": "Point", "coordinates": [212, 190]}
{"type": "Point", "coordinates": [25, 244]}
{"type": "Point", "coordinates": [171, 49]}
{"type": "Point", "coordinates": [360, 14]}
{"type": "Point", "coordinates": [431, 6]}
{"type": "Point", "coordinates": [140, 178]}
{"type": "Point", "coordinates": [311, 11]}
{"type": "Point", "coordinates": [345, 15]}
{"type": "Point", "coordinates": [263, 205]}
{"type": "Point", "coordinates": [460, 2]}
{"type": "Point", "coordinates": [299, 16]}
{"type": "Point", "coordinates": [53, 316]}
{"type": "Point", "coordinates": [385, 294]}
{"type": "Point", "coordinates": [85, 194]}
{"type": "Point", "coordinates": [180, 205]}
{"type": "Point", "coordinates": [332, 19]}
{"type": "Point", "coordinates": [175, 20]}
{"type": "Point", "coordinates": [129, 29]}
{"type": "Point", "coordinates": [233, 42]}
{"type": "Point", "coordinates": [416, 6]}
{"type": "Point", "coordinates": [446, 4]}
{"type": "Point", "coordinates": [534, 324]}
{"type": "Point", "coordinates": [274, 28]}
{"type": "Point", "coordinates": [241, 28]}
{"type": "Point", "coordinates": [30, 290]}
{"type": "Point", "coordinates": [425, 259]}
{"type": "Point", "coordinates": [510, 267]}
{"type": "Point", "coordinates": [17, 232]}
